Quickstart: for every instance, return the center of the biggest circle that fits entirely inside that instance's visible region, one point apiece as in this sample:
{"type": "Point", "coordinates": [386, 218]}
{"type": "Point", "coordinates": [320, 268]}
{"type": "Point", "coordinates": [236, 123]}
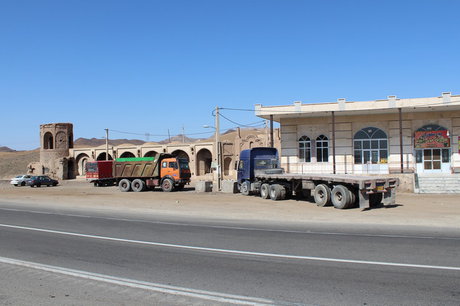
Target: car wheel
{"type": "Point", "coordinates": [39, 185]}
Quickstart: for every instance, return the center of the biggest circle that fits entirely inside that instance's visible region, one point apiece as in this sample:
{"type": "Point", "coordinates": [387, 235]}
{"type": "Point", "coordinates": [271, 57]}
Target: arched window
{"type": "Point", "coordinates": [322, 149]}
{"type": "Point", "coordinates": [370, 146]}
{"type": "Point", "coordinates": [305, 149]}
{"type": "Point", "coordinates": [48, 142]}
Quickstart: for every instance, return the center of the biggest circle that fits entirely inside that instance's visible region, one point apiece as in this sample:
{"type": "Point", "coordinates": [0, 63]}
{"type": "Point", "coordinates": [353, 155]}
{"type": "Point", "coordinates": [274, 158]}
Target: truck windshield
{"type": "Point", "coordinates": [265, 163]}
{"type": "Point", "coordinates": [183, 165]}
{"type": "Point", "coordinates": [91, 167]}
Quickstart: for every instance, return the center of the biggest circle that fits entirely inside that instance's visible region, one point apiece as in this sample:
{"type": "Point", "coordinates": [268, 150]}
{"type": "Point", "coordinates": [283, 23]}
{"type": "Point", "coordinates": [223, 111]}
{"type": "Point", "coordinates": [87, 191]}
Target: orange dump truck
{"type": "Point", "coordinates": [140, 174]}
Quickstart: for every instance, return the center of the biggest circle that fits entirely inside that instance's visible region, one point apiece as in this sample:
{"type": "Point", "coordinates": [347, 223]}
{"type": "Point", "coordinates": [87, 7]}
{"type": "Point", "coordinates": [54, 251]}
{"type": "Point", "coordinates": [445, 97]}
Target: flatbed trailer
{"type": "Point", "coordinates": [366, 190]}
{"type": "Point", "coordinates": [259, 173]}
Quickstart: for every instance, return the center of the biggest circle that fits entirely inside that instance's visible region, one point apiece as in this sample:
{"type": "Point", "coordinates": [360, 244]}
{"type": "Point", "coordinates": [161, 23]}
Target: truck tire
{"type": "Point", "coordinates": [352, 198]}
{"type": "Point", "coordinates": [322, 195]}
{"type": "Point", "coordinates": [277, 192]}
{"type": "Point", "coordinates": [124, 185]}
{"type": "Point", "coordinates": [167, 185]}
{"type": "Point", "coordinates": [265, 191]}
{"type": "Point", "coordinates": [245, 188]}
{"type": "Point", "coordinates": [341, 197]}
{"type": "Point", "coordinates": [138, 185]}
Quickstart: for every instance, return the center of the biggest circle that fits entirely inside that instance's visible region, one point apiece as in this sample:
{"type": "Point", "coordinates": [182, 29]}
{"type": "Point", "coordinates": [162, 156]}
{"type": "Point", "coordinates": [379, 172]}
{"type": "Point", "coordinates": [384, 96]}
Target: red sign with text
{"type": "Point", "coordinates": [432, 139]}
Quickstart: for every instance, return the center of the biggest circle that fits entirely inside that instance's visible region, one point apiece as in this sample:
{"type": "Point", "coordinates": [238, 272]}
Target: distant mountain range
{"type": "Point", "coordinates": [6, 149]}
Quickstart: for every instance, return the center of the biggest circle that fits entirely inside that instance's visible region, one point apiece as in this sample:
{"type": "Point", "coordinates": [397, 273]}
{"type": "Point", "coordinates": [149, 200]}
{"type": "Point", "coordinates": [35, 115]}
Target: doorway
{"type": "Point", "coordinates": [433, 160]}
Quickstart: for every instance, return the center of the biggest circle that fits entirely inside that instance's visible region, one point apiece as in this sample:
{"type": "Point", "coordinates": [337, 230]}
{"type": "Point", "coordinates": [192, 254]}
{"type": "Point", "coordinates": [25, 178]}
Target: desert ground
{"type": "Point", "coordinates": [428, 210]}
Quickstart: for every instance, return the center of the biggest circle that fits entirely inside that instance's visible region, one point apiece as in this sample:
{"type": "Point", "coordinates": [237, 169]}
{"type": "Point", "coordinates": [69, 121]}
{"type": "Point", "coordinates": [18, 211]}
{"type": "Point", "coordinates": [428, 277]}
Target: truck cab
{"type": "Point", "coordinates": [257, 160]}
{"type": "Point", "coordinates": [176, 169]}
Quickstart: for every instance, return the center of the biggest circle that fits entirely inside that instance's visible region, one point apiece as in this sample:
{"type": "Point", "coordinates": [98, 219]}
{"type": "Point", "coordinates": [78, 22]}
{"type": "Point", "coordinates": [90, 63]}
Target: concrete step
{"type": "Point", "coordinates": [439, 183]}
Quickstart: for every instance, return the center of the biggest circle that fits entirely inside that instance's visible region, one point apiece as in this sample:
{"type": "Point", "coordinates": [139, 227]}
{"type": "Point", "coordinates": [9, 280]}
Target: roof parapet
{"type": "Point", "coordinates": [392, 101]}
{"type": "Point", "coordinates": [298, 106]}
{"type": "Point", "coordinates": [342, 103]}
{"type": "Point", "coordinates": [446, 97]}
{"type": "Point", "coordinates": [258, 109]}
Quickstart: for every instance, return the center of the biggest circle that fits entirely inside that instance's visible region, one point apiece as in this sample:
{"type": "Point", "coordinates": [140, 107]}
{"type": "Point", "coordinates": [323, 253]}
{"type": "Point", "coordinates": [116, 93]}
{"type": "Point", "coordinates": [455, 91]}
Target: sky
{"type": "Point", "coordinates": [151, 66]}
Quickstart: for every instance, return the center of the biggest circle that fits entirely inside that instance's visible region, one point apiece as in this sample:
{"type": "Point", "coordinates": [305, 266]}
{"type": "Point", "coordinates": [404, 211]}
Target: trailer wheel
{"type": "Point", "coordinates": [277, 192]}
{"type": "Point", "coordinates": [124, 185]}
{"type": "Point", "coordinates": [352, 198]}
{"type": "Point", "coordinates": [138, 185]}
{"type": "Point", "coordinates": [245, 188]}
{"type": "Point", "coordinates": [341, 197]}
{"type": "Point", "coordinates": [167, 185]}
{"type": "Point", "coordinates": [265, 191]}
{"type": "Point", "coordinates": [322, 195]}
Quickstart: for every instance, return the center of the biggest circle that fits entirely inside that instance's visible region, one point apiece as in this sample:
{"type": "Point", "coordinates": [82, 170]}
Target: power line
{"type": "Point", "coordinates": [240, 124]}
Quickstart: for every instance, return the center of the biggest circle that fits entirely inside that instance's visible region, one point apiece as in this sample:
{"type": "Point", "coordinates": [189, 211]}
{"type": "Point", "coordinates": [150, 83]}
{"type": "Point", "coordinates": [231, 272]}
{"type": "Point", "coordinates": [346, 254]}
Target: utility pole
{"type": "Point", "coordinates": [183, 134]}
{"type": "Point", "coordinates": [106, 144]}
{"type": "Point", "coordinates": [218, 151]}
{"type": "Point", "coordinates": [169, 136]}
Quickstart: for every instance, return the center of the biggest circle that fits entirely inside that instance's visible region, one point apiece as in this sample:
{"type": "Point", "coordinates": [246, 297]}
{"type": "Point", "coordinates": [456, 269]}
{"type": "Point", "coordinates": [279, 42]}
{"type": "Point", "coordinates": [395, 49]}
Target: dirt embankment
{"type": "Point", "coordinates": [15, 163]}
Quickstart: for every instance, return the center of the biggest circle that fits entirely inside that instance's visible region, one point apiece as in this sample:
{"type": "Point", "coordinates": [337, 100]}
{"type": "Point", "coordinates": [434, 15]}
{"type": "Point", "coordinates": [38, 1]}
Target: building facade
{"type": "Point", "coordinates": [389, 136]}
{"type": "Point", "coordinates": [59, 158]}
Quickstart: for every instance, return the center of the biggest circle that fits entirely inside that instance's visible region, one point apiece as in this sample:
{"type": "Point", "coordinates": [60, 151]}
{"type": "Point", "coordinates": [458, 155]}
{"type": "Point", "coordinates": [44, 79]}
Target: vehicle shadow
{"type": "Point", "coordinates": [380, 206]}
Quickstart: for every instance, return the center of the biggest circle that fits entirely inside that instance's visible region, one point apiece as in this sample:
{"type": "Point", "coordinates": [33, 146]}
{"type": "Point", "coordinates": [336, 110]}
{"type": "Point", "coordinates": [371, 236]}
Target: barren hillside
{"type": "Point", "coordinates": [15, 163]}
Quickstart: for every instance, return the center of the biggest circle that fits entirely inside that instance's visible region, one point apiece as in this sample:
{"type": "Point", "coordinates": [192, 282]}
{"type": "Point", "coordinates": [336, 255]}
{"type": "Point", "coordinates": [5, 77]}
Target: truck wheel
{"type": "Point", "coordinates": [124, 185]}
{"type": "Point", "coordinates": [322, 195]}
{"type": "Point", "coordinates": [265, 191]}
{"type": "Point", "coordinates": [138, 185]}
{"type": "Point", "coordinates": [341, 197]}
{"type": "Point", "coordinates": [245, 188]}
{"type": "Point", "coordinates": [352, 198]}
{"type": "Point", "coordinates": [277, 192]}
{"type": "Point", "coordinates": [167, 185]}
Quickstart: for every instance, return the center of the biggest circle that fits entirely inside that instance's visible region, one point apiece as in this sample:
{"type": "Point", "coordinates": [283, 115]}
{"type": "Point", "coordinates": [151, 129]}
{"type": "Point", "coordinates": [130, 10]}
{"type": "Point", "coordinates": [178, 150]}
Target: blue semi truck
{"type": "Point", "coordinates": [259, 173]}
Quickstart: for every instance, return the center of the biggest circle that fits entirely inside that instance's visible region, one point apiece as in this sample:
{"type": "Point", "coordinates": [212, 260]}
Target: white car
{"type": "Point", "coordinates": [20, 180]}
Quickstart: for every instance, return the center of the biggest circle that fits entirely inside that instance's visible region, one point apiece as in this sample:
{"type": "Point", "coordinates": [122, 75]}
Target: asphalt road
{"type": "Point", "coordinates": [49, 257]}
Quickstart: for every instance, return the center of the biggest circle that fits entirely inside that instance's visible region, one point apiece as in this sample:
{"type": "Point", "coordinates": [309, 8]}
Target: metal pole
{"type": "Point", "coordinates": [106, 144]}
{"type": "Point", "coordinates": [169, 136]}
{"type": "Point", "coordinates": [271, 132]}
{"type": "Point", "coordinates": [183, 134]}
{"type": "Point", "coordinates": [333, 142]}
{"type": "Point", "coordinates": [217, 140]}
{"type": "Point", "coordinates": [401, 140]}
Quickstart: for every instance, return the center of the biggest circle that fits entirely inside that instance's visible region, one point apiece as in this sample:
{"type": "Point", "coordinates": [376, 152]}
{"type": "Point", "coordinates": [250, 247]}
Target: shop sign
{"type": "Point", "coordinates": [432, 139]}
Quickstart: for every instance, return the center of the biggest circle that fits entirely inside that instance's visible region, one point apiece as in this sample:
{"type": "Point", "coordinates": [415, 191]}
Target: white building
{"type": "Point", "coordinates": [387, 136]}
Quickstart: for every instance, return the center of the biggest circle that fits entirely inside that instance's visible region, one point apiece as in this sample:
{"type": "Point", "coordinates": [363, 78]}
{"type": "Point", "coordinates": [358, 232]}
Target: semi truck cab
{"type": "Point", "coordinates": [257, 160]}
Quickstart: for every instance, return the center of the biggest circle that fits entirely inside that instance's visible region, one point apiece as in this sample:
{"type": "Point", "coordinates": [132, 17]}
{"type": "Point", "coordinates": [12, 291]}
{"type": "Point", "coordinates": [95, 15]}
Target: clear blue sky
{"type": "Point", "coordinates": [150, 66]}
